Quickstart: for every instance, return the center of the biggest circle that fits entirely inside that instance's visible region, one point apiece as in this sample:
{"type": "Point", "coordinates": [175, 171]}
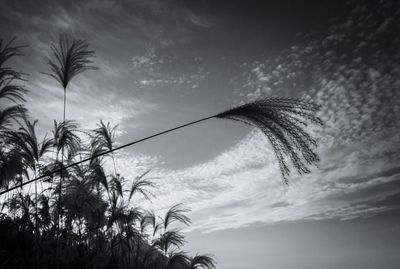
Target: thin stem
{"type": "Point", "coordinates": [36, 206]}
{"type": "Point", "coordinates": [107, 152]}
{"type": "Point", "coordinates": [61, 176]}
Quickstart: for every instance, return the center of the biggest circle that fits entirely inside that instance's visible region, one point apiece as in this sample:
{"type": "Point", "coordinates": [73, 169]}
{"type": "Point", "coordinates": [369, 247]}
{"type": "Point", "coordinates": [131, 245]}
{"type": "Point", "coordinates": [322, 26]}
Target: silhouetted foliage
{"type": "Point", "coordinates": [86, 217]}
{"type": "Point", "coordinates": [71, 58]}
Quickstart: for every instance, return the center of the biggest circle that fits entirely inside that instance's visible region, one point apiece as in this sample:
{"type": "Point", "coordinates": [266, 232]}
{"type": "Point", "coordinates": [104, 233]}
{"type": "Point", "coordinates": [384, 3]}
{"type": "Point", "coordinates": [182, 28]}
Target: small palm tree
{"type": "Point", "coordinates": [103, 138]}
{"type": "Point", "coordinates": [26, 144]}
{"type": "Point", "coordinates": [11, 167]}
{"type": "Point", "coordinates": [70, 59]}
{"type": "Point", "coordinates": [8, 89]}
{"type": "Point", "coordinates": [65, 136]}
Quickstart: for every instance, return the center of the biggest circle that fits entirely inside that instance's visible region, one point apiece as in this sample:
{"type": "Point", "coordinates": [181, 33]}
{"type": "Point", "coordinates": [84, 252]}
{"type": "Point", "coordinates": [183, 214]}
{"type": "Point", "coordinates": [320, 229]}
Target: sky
{"type": "Point", "coordinates": [165, 63]}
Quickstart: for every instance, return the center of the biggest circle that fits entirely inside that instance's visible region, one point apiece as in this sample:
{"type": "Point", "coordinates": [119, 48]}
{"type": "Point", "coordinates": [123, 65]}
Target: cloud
{"type": "Point", "coordinates": [348, 184]}
{"type": "Point", "coordinates": [354, 75]}
{"type": "Point", "coordinates": [352, 71]}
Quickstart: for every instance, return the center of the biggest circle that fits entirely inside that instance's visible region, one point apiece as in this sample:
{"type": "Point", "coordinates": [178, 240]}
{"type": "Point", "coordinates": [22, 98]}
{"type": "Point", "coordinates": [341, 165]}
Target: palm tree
{"type": "Point", "coordinates": [10, 163]}
{"type": "Point", "coordinates": [11, 167]}
{"type": "Point", "coordinates": [8, 89]}
{"type": "Point", "coordinates": [71, 59]}
{"type": "Point", "coordinates": [65, 137]}
{"type": "Point", "coordinates": [26, 144]}
{"type": "Point", "coordinates": [103, 138]}
{"type": "Point", "coordinates": [170, 239]}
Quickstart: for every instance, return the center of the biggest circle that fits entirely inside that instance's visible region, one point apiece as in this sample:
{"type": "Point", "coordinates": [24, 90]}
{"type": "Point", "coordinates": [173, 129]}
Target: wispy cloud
{"type": "Point", "coordinates": [223, 195]}
{"type": "Point", "coordinates": [139, 46]}
{"type": "Point", "coordinates": [359, 172]}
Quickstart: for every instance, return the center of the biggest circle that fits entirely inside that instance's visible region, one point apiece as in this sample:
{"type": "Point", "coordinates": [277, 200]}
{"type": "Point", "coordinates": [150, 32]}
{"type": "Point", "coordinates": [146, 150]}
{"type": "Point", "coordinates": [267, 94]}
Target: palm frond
{"type": "Point", "coordinates": [283, 120]}
{"type": "Point", "coordinates": [103, 136]}
{"type": "Point", "coordinates": [26, 143]}
{"type": "Point", "coordinates": [70, 59]}
{"type": "Point", "coordinates": [173, 238]}
{"type": "Point", "coordinates": [176, 213]}
{"type": "Point", "coordinates": [178, 260]}
{"type": "Point", "coordinates": [97, 174]}
{"type": "Point", "coordinates": [133, 214]}
{"type": "Point", "coordinates": [202, 261]}
{"type": "Point", "coordinates": [80, 200]}
{"type": "Point", "coordinates": [66, 137]}
{"type": "Point", "coordinates": [50, 168]}
{"type": "Point", "coordinates": [146, 220]}
{"type": "Point", "coordinates": [13, 93]}
{"type": "Point", "coordinates": [8, 50]}
{"type": "Point", "coordinates": [8, 75]}
{"type": "Point", "coordinates": [140, 185]}
{"type": "Point", "coordinates": [9, 114]}
{"type": "Point", "coordinates": [116, 185]}
{"type": "Point", "coordinates": [11, 166]}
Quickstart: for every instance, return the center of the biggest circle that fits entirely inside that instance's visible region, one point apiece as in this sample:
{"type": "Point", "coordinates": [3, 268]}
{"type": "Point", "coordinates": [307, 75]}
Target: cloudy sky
{"type": "Point", "coordinates": [165, 63]}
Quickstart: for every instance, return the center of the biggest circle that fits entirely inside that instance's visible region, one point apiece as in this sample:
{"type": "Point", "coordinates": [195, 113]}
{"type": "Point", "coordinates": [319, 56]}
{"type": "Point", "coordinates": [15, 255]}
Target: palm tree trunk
{"type": "Point", "coordinates": [36, 206]}
{"type": "Point", "coordinates": [62, 162]}
{"type": "Point", "coordinates": [61, 180]}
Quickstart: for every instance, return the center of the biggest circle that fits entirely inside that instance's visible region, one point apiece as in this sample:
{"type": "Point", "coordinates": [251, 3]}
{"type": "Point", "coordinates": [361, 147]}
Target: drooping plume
{"type": "Point", "coordinates": [283, 121]}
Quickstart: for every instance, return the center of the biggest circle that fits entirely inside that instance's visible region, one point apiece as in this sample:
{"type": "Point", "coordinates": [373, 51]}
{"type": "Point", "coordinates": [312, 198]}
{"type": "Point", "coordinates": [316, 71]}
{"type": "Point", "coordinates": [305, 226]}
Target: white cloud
{"type": "Point", "coordinates": [359, 142]}
{"type": "Point", "coordinates": [243, 186]}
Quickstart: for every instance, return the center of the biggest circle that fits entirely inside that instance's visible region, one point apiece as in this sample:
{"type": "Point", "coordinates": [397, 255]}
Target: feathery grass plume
{"type": "Point", "coordinates": [283, 120]}
{"type": "Point", "coordinates": [71, 58]}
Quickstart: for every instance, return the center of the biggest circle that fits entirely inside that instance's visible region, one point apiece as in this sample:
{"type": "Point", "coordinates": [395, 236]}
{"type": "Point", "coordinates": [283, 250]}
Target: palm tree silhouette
{"type": "Point", "coordinates": [11, 166]}
{"type": "Point", "coordinates": [70, 59]}
{"type": "Point", "coordinates": [30, 150]}
{"type": "Point", "coordinates": [103, 139]}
